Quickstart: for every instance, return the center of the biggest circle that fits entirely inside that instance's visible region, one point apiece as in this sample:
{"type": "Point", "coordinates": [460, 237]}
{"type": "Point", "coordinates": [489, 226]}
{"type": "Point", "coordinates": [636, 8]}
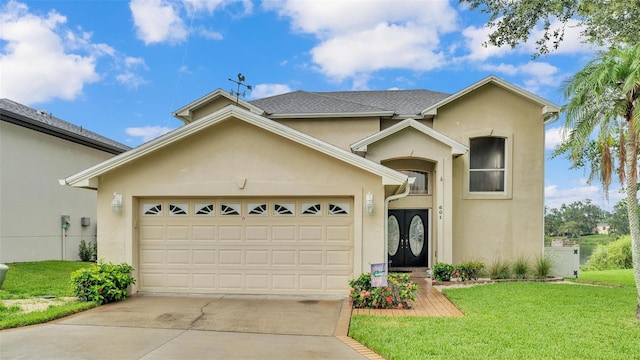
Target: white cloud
{"type": "Point", "coordinates": [357, 39]}
{"type": "Point", "coordinates": [36, 62]}
{"type": "Point", "coordinates": [554, 137]}
{"type": "Point", "coordinates": [556, 196]}
{"type": "Point", "coordinates": [266, 90]}
{"type": "Point", "coordinates": [536, 74]}
{"type": "Point", "coordinates": [161, 21]}
{"type": "Point", "coordinates": [475, 38]}
{"type": "Point", "coordinates": [157, 21]}
{"type": "Point", "coordinates": [129, 76]}
{"type": "Point", "coordinates": [147, 132]}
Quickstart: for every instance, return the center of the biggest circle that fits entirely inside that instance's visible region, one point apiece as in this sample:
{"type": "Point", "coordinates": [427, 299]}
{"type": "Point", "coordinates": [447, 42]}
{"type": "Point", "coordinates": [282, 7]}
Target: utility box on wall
{"type": "Point", "coordinates": [565, 260]}
{"type": "Point", "coordinates": [85, 221]}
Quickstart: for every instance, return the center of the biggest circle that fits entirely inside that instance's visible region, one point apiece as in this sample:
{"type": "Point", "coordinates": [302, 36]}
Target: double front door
{"type": "Point", "coordinates": [407, 237]}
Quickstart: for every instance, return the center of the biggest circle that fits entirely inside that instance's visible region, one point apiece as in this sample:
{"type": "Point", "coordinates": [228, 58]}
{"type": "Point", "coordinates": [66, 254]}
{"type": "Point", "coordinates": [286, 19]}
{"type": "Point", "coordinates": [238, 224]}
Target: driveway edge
{"type": "Point", "coordinates": [342, 333]}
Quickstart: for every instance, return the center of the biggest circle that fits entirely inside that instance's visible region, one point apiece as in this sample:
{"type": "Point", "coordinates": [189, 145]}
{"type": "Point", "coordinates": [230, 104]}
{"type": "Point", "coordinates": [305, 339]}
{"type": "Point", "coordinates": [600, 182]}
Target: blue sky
{"type": "Point", "coordinates": [120, 68]}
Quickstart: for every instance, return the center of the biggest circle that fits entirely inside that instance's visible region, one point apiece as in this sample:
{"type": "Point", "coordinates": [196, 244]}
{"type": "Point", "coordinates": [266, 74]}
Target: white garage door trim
{"type": "Point", "coordinates": [249, 246]}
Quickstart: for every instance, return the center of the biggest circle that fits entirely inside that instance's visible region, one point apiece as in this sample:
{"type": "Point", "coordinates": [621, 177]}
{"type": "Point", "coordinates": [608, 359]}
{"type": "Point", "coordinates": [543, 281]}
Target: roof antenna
{"type": "Point", "coordinates": [240, 82]}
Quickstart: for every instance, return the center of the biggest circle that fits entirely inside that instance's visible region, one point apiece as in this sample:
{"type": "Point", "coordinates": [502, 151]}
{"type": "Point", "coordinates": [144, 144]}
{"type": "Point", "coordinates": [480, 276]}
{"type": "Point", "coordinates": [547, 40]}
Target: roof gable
{"type": "Point", "coordinates": [185, 113]}
{"type": "Point", "coordinates": [88, 177]}
{"type": "Point", "coordinates": [456, 147]}
{"type": "Point", "coordinates": [549, 109]}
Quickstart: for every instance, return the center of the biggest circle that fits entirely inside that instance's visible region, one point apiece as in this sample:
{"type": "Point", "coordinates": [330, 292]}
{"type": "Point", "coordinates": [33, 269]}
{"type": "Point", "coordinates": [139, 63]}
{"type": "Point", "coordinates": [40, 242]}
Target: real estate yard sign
{"type": "Point", "coordinates": [379, 275]}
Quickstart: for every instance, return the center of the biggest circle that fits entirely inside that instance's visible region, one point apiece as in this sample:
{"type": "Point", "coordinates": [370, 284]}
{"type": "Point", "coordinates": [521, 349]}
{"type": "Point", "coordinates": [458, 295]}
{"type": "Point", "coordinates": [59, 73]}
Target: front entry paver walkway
{"type": "Point", "coordinates": [429, 302]}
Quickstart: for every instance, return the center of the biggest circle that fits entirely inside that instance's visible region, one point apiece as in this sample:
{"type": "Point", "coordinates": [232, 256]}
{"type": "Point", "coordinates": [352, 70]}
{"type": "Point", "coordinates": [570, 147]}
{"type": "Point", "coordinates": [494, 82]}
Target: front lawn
{"type": "Point", "coordinates": [515, 321]}
{"type": "Point", "coordinates": [35, 281]}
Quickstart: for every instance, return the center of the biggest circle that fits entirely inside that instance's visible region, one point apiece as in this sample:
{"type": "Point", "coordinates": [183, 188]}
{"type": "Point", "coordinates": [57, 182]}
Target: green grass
{"type": "Point", "coordinates": [610, 277]}
{"type": "Point", "coordinates": [596, 239]}
{"type": "Point", "coordinates": [514, 321]}
{"type": "Point", "coordinates": [37, 279]}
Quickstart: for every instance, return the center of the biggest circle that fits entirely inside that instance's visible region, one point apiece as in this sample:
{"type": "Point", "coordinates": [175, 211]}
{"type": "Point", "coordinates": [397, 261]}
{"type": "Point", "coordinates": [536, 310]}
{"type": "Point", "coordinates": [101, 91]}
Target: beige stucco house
{"type": "Point", "coordinates": [300, 192]}
{"type": "Point", "coordinates": [37, 149]}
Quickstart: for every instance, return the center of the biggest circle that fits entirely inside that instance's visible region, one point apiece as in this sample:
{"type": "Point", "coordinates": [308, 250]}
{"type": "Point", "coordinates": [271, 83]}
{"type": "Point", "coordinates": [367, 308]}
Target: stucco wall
{"type": "Point", "coordinates": [32, 201]}
{"type": "Point", "coordinates": [498, 226]}
{"type": "Point", "coordinates": [212, 162]}
{"type": "Point", "coordinates": [340, 132]}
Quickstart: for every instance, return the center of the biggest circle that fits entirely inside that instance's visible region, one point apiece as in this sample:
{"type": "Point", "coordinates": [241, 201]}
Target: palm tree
{"type": "Point", "coordinates": [603, 99]}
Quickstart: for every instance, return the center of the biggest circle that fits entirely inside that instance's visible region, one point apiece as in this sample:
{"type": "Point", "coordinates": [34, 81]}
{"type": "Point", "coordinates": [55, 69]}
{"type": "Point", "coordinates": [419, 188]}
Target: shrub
{"type": "Point", "coordinates": [469, 270]}
{"type": "Point", "coordinates": [88, 252]}
{"type": "Point", "coordinates": [442, 271]}
{"type": "Point", "coordinates": [102, 282]}
{"type": "Point", "coordinates": [521, 268]}
{"type": "Point", "coordinates": [542, 268]}
{"type": "Point", "coordinates": [396, 294]}
{"type": "Point", "coordinates": [499, 269]}
{"type": "Point", "coordinates": [615, 255]}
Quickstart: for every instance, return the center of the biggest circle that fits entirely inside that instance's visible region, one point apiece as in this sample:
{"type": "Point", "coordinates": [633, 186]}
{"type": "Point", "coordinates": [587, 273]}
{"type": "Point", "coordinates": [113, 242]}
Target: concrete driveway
{"type": "Point", "coordinates": [188, 327]}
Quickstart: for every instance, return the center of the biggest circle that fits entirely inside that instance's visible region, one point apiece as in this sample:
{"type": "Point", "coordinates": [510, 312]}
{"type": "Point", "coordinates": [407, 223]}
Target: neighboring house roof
{"type": "Point", "coordinates": [549, 109]}
{"type": "Point", "coordinates": [397, 103]}
{"type": "Point", "coordinates": [88, 178]}
{"type": "Point", "coordinates": [41, 121]}
{"type": "Point", "coordinates": [456, 147]}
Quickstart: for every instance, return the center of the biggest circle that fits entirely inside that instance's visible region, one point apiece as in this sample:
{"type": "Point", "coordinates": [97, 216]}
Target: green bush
{"type": "Point", "coordinates": [396, 294]}
{"type": "Point", "coordinates": [442, 271]}
{"type": "Point", "coordinates": [88, 252]}
{"type": "Point", "coordinates": [614, 255]}
{"type": "Point", "coordinates": [521, 267]}
{"type": "Point", "coordinates": [499, 269]}
{"type": "Point", "coordinates": [103, 282]}
{"type": "Point", "coordinates": [469, 270]}
{"type": "Point", "coordinates": [542, 267]}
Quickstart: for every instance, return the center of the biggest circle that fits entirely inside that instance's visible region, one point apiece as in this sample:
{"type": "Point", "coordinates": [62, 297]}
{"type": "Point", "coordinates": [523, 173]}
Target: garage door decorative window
{"type": "Point", "coordinates": [311, 209]}
{"type": "Point", "coordinates": [178, 209]}
{"type": "Point", "coordinates": [257, 209]}
{"type": "Point", "coordinates": [338, 209]}
{"type": "Point", "coordinates": [152, 209]}
{"type": "Point", "coordinates": [283, 209]}
{"type": "Point", "coordinates": [204, 209]}
{"type": "Point", "coordinates": [230, 209]}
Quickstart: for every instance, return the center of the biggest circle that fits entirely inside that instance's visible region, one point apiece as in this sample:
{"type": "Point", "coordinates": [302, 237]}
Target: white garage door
{"type": "Point", "coordinates": [254, 246]}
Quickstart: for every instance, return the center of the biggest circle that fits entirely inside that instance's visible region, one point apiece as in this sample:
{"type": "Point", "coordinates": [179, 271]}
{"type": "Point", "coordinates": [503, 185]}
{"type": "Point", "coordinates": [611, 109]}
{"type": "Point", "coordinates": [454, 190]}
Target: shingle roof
{"type": "Point", "coordinates": [399, 102]}
{"type": "Point", "coordinates": [39, 120]}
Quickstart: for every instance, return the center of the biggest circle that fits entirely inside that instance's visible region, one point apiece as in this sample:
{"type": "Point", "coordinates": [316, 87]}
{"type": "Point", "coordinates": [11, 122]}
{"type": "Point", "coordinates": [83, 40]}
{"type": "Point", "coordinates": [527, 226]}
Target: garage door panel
{"type": "Point", "coordinates": [283, 233]}
{"type": "Point", "coordinates": [257, 233]}
{"type": "Point", "coordinates": [267, 252]}
{"type": "Point", "coordinates": [178, 257]}
{"type": "Point", "coordinates": [205, 233]}
{"type": "Point", "coordinates": [310, 233]}
{"type": "Point", "coordinates": [152, 233]}
{"type": "Point", "coordinates": [204, 257]}
{"type": "Point", "coordinates": [230, 233]}
{"type": "Point", "coordinates": [230, 257]}
{"type": "Point", "coordinates": [284, 257]}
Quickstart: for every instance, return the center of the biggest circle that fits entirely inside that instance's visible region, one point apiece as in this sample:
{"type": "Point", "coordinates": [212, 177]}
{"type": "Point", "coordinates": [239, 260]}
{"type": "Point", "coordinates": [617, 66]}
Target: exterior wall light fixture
{"type": "Point", "coordinates": [116, 203]}
{"type": "Point", "coordinates": [368, 204]}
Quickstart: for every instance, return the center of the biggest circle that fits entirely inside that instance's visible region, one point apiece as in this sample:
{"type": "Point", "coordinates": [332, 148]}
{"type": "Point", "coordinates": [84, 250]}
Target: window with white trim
{"type": "Point", "coordinates": [487, 164]}
{"type": "Point", "coordinates": [421, 185]}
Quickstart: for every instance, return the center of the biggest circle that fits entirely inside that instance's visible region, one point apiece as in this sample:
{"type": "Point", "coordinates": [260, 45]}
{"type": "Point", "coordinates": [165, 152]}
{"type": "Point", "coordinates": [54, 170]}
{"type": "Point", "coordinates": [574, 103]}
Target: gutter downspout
{"type": "Point", "coordinates": [404, 193]}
